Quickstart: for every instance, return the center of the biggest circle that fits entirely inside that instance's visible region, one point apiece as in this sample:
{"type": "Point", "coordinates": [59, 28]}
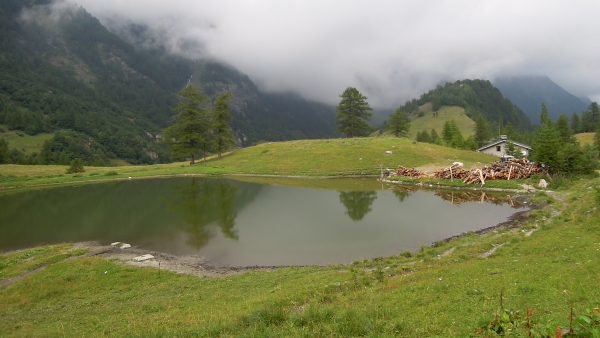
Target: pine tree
{"type": "Point", "coordinates": [435, 137]}
{"type": "Point", "coordinates": [399, 124]}
{"type": "Point", "coordinates": [590, 119]}
{"type": "Point", "coordinates": [352, 113]}
{"type": "Point", "coordinates": [189, 133]}
{"type": "Point", "coordinates": [4, 153]}
{"type": "Point", "coordinates": [575, 123]}
{"type": "Point", "coordinates": [223, 137]}
{"type": "Point", "coordinates": [482, 131]}
{"type": "Point", "coordinates": [544, 117]}
{"type": "Point", "coordinates": [597, 139]}
{"type": "Point", "coordinates": [562, 126]}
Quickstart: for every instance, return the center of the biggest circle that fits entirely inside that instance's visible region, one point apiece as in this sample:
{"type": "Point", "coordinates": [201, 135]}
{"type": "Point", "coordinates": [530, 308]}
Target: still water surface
{"type": "Point", "coordinates": [244, 223]}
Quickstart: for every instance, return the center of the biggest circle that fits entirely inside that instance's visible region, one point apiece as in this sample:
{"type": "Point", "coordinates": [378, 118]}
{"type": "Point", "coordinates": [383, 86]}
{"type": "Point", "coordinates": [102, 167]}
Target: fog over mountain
{"type": "Point", "coordinates": [391, 51]}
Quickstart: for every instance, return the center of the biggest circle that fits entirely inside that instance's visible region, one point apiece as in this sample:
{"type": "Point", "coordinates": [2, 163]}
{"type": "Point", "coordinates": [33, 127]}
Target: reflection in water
{"type": "Point", "coordinates": [357, 203]}
{"type": "Point", "coordinates": [201, 202]}
{"type": "Point", "coordinates": [404, 192]}
{"type": "Point", "coordinates": [460, 197]}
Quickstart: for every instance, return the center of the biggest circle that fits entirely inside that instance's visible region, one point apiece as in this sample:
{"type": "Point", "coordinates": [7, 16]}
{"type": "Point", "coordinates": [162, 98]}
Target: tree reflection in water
{"type": "Point", "coordinates": [357, 203]}
{"type": "Point", "coordinates": [201, 202]}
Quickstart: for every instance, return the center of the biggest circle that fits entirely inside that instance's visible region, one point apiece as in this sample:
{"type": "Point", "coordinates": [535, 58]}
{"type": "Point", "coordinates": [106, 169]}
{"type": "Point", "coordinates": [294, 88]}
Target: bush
{"type": "Point", "coordinates": [76, 166]}
{"type": "Point", "coordinates": [111, 173]}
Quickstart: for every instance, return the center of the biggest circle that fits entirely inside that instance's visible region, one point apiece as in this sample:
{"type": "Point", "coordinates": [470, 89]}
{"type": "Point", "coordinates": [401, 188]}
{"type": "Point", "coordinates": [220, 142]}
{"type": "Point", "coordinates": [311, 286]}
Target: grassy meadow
{"type": "Point", "coordinates": [584, 138]}
{"type": "Point", "coordinates": [25, 143]}
{"type": "Point", "coordinates": [452, 289]}
{"type": "Point", "coordinates": [428, 121]}
{"type": "Point", "coordinates": [332, 157]}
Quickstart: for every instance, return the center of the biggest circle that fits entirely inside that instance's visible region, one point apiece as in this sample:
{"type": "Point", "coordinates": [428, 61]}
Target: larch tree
{"type": "Point", "coordinates": [399, 124]}
{"type": "Point", "coordinates": [222, 135]}
{"type": "Point", "coordinates": [482, 131]}
{"type": "Point", "coordinates": [190, 131]}
{"type": "Point", "coordinates": [353, 113]}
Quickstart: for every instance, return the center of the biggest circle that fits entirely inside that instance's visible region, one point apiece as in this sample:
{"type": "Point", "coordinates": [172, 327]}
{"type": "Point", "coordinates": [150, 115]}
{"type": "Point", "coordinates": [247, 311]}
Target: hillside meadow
{"type": "Point", "coordinates": [326, 157]}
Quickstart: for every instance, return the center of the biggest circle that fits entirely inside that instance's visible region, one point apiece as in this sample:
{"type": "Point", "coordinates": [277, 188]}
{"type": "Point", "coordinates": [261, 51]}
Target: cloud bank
{"type": "Point", "coordinates": [391, 51]}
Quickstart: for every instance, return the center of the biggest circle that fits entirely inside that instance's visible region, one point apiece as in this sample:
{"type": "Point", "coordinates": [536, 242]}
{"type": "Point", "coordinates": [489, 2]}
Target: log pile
{"type": "Point", "coordinates": [452, 172]}
{"type": "Point", "coordinates": [408, 172]}
{"type": "Point", "coordinates": [511, 169]}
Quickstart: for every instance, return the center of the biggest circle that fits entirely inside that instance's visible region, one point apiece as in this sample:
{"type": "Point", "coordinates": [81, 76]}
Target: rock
{"type": "Point", "coordinates": [120, 245]}
{"type": "Point", "coordinates": [543, 184]}
{"type": "Point", "coordinates": [125, 246]}
{"type": "Point", "coordinates": [143, 258]}
{"type": "Point", "coordinates": [388, 152]}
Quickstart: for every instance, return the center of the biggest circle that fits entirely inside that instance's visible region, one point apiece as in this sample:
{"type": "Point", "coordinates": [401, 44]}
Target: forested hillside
{"type": "Point", "coordinates": [61, 69]}
{"type": "Point", "coordinates": [528, 93]}
{"type": "Point", "coordinates": [477, 97]}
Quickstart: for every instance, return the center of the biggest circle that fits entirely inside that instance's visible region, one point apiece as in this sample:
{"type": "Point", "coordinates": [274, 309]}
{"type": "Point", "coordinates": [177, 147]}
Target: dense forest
{"type": "Point", "coordinates": [62, 70]}
{"type": "Point", "coordinates": [477, 97]}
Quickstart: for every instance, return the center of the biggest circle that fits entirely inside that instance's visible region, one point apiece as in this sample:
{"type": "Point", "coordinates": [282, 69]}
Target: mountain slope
{"type": "Point", "coordinates": [528, 93]}
{"type": "Point", "coordinates": [61, 69]}
{"type": "Point", "coordinates": [476, 97]}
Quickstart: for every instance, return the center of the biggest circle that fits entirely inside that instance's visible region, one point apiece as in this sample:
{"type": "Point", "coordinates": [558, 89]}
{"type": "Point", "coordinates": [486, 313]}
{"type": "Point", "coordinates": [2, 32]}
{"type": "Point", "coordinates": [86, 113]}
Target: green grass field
{"type": "Point", "coordinates": [359, 156]}
{"type": "Point", "coordinates": [26, 143]}
{"type": "Point", "coordinates": [550, 265]}
{"type": "Point", "coordinates": [428, 121]}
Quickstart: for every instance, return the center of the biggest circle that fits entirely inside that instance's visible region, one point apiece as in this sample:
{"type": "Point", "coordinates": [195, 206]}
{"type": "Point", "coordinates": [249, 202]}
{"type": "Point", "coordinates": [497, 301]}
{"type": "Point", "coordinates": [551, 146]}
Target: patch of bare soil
{"type": "Point", "coordinates": [187, 264]}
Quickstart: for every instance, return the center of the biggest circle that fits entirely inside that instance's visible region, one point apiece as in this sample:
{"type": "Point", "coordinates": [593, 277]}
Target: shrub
{"type": "Point", "coordinates": [76, 166]}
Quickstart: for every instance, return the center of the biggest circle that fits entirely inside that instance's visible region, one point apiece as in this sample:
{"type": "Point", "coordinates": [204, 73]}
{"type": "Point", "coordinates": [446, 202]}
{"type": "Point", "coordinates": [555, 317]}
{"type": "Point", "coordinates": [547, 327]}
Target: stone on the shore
{"type": "Point", "coordinates": [143, 258]}
{"type": "Point", "coordinates": [120, 245]}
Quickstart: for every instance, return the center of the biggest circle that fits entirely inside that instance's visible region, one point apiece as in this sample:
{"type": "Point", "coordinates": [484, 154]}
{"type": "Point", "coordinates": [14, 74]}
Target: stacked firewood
{"type": "Point", "coordinates": [408, 172]}
{"type": "Point", "coordinates": [511, 169]}
{"type": "Point", "coordinates": [452, 172]}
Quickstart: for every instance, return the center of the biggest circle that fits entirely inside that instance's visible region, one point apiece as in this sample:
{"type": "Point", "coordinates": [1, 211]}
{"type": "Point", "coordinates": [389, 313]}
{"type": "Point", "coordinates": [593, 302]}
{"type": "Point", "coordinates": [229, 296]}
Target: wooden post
{"type": "Point", "coordinates": [509, 172]}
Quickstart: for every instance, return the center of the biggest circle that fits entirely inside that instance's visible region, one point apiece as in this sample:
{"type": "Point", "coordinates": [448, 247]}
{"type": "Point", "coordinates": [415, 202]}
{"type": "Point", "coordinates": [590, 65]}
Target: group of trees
{"type": "Point", "coordinates": [197, 130]}
{"type": "Point", "coordinates": [589, 120]}
{"type": "Point", "coordinates": [555, 146]}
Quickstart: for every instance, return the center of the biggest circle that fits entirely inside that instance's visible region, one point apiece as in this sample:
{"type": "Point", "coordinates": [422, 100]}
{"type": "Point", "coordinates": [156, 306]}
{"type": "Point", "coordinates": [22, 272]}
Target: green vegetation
{"type": "Point", "coordinates": [76, 167]}
{"type": "Point", "coordinates": [399, 124]}
{"type": "Point", "coordinates": [357, 156]}
{"type": "Point", "coordinates": [477, 97]}
{"type": "Point", "coordinates": [28, 144]}
{"type": "Point", "coordinates": [508, 282]}
{"type": "Point", "coordinates": [585, 138]}
{"type": "Point", "coordinates": [353, 114]}
{"type": "Point", "coordinates": [436, 120]}
{"type": "Point", "coordinates": [190, 132]}
{"type": "Point", "coordinates": [222, 134]}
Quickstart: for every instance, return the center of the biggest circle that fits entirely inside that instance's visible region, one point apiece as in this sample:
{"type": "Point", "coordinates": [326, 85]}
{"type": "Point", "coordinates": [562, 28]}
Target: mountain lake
{"type": "Point", "coordinates": [250, 221]}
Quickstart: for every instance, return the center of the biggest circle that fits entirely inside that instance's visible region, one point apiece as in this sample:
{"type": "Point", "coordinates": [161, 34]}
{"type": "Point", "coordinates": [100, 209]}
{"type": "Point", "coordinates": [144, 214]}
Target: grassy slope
{"type": "Point", "coordinates": [554, 269]}
{"type": "Point", "coordinates": [446, 113]}
{"type": "Point", "coordinates": [304, 158]}
{"type": "Point", "coordinates": [26, 143]}
{"type": "Point", "coordinates": [584, 138]}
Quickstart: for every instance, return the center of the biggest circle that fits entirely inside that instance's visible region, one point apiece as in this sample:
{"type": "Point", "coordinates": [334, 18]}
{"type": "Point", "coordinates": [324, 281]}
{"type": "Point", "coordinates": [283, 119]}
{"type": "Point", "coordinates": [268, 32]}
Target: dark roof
{"type": "Point", "coordinates": [504, 141]}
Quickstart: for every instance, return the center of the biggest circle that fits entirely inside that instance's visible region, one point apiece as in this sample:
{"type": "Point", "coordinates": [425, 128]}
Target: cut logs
{"type": "Point", "coordinates": [408, 172]}
{"type": "Point", "coordinates": [507, 170]}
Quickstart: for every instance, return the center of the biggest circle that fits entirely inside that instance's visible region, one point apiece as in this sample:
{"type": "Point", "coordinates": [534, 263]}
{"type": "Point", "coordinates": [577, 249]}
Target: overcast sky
{"type": "Point", "coordinates": [390, 50]}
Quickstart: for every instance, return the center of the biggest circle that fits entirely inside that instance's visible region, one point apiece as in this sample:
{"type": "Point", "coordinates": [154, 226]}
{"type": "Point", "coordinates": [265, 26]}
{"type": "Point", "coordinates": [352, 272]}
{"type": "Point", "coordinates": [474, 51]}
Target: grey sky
{"type": "Point", "coordinates": [390, 50]}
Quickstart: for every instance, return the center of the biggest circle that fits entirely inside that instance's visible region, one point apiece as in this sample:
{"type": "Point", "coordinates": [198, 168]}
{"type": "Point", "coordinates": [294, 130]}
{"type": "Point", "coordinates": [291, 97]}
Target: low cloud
{"type": "Point", "coordinates": [390, 51]}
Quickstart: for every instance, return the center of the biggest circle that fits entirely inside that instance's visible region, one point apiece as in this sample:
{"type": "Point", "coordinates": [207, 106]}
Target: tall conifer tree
{"type": "Point", "coordinates": [353, 113]}
{"type": "Point", "coordinates": [223, 137]}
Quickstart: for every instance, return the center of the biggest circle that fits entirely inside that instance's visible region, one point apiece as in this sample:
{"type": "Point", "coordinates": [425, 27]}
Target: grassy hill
{"type": "Point", "coordinates": [584, 138]}
{"type": "Point", "coordinates": [428, 121]}
{"type": "Point", "coordinates": [328, 157]}
{"type": "Point", "coordinates": [25, 143]}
